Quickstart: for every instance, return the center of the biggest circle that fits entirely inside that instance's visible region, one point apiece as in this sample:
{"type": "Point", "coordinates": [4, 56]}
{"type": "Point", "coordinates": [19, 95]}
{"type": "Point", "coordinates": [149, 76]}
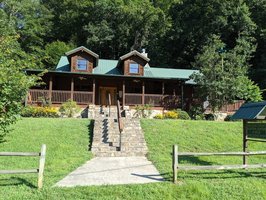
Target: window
{"type": "Point", "coordinates": [133, 68]}
{"type": "Point", "coordinates": [81, 64]}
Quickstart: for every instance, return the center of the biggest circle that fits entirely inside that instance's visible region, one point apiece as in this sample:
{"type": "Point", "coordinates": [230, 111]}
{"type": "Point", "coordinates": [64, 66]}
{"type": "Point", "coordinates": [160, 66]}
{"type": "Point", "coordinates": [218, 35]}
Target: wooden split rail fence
{"type": "Point", "coordinates": [176, 167]}
{"type": "Point", "coordinates": [40, 170]}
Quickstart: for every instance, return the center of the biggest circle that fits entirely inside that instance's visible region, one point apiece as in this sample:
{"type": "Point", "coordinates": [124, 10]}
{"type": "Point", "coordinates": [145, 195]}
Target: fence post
{"type": "Point", "coordinates": [41, 166]}
{"type": "Point", "coordinates": [175, 162]}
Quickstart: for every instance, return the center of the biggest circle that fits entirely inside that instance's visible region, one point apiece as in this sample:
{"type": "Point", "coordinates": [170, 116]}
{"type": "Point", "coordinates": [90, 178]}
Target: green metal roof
{"type": "Point", "coordinates": [251, 111]}
{"type": "Point", "coordinates": [167, 72]}
{"type": "Point", "coordinates": [63, 64]}
{"type": "Point", "coordinates": [109, 67]}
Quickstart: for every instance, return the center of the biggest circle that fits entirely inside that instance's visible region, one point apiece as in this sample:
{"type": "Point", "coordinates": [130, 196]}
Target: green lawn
{"type": "Point", "coordinates": [67, 143]}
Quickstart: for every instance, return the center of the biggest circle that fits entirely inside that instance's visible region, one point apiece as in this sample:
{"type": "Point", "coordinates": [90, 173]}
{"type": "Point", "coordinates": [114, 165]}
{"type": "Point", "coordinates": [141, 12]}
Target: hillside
{"type": "Point", "coordinates": [67, 142]}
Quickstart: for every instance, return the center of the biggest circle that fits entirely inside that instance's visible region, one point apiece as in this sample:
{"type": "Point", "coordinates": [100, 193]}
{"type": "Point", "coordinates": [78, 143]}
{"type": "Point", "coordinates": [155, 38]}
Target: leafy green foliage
{"type": "Point", "coordinates": [54, 51]}
{"type": "Point", "coordinates": [142, 111]}
{"type": "Point", "coordinates": [170, 115]}
{"type": "Point", "coordinates": [158, 116]}
{"type": "Point", "coordinates": [30, 111]}
{"type": "Point", "coordinates": [223, 76]}
{"type": "Point", "coordinates": [69, 108]}
{"type": "Point", "coordinates": [182, 114]}
{"type": "Point", "coordinates": [14, 83]}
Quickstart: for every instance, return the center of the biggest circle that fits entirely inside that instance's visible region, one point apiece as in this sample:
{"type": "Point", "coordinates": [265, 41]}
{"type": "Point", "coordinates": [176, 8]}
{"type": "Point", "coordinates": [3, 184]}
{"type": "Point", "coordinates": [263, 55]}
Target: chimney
{"type": "Point", "coordinates": [144, 53]}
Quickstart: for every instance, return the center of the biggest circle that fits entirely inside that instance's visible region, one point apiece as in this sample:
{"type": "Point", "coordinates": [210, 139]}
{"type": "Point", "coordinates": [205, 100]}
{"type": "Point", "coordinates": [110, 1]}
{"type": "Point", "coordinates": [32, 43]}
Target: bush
{"type": "Point", "coordinates": [182, 114]}
{"type": "Point", "coordinates": [69, 108]}
{"type": "Point", "coordinates": [142, 111]}
{"type": "Point", "coordinates": [171, 115]}
{"type": "Point", "coordinates": [158, 116]}
{"type": "Point", "coordinates": [196, 112]}
{"type": "Point", "coordinates": [210, 117]}
{"type": "Point", "coordinates": [30, 111]}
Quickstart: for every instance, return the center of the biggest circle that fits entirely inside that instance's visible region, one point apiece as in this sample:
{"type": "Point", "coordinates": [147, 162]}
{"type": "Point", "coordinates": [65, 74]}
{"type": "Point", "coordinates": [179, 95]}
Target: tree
{"type": "Point", "coordinates": [258, 15]}
{"type": "Point", "coordinates": [223, 75]}
{"type": "Point", "coordinates": [31, 21]}
{"type": "Point", "coordinates": [53, 52]}
{"type": "Point", "coordinates": [14, 83]}
{"type": "Point", "coordinates": [194, 21]}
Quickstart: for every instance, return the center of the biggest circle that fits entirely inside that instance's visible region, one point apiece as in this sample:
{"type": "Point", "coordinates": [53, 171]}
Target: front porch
{"type": "Point", "coordinates": [86, 90]}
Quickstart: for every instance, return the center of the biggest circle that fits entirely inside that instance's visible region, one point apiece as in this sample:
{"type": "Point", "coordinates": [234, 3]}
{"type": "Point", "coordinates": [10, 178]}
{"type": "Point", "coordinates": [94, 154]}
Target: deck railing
{"type": "Point", "coordinates": [82, 97]}
{"type": "Point", "coordinates": [133, 99]}
{"type": "Point", "coordinates": [35, 95]}
{"type": "Point", "coordinates": [60, 96]}
{"type": "Point", "coordinates": [154, 99]}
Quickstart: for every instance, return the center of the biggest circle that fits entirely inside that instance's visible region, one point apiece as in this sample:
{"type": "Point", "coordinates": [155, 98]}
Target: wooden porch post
{"type": "Point", "coordinates": [182, 95]}
{"type": "Point", "coordinates": [124, 95]}
{"type": "Point", "coordinates": [143, 93]}
{"type": "Point", "coordinates": [50, 88]}
{"type": "Point", "coordinates": [72, 88]}
{"type": "Point", "coordinates": [93, 92]}
{"type": "Point", "coordinates": [162, 88]}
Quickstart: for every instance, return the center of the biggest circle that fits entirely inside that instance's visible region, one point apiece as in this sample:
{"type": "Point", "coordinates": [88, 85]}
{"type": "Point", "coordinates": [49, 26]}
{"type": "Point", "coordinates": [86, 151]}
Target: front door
{"type": "Point", "coordinates": [105, 92]}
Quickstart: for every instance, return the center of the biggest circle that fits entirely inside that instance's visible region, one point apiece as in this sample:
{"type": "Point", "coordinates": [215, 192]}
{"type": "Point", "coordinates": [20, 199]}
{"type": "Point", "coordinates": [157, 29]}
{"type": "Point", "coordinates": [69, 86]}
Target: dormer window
{"type": "Point", "coordinates": [82, 64]}
{"type": "Point", "coordinates": [133, 68]}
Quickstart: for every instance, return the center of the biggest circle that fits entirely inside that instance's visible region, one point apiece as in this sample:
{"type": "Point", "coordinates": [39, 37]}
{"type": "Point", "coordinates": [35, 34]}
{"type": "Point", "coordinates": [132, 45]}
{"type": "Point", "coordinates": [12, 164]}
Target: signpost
{"type": "Point", "coordinates": [253, 130]}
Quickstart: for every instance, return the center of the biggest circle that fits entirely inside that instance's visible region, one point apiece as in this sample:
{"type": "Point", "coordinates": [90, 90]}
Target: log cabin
{"type": "Point", "coordinates": [82, 76]}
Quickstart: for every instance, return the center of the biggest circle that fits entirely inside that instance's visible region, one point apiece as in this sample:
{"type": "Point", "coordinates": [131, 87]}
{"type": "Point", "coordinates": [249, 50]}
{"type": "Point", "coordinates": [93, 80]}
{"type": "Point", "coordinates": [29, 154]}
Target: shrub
{"type": "Point", "coordinates": [210, 117]}
{"type": "Point", "coordinates": [182, 114]}
{"type": "Point", "coordinates": [196, 112]}
{"type": "Point", "coordinates": [30, 111]}
{"type": "Point", "coordinates": [171, 115]}
{"type": "Point", "coordinates": [69, 108]}
{"type": "Point", "coordinates": [142, 111]}
{"type": "Point", "coordinates": [158, 116]}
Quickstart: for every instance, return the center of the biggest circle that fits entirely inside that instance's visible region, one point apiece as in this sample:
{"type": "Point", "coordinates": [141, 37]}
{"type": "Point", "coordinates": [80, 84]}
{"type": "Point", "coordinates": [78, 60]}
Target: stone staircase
{"type": "Point", "coordinates": [107, 140]}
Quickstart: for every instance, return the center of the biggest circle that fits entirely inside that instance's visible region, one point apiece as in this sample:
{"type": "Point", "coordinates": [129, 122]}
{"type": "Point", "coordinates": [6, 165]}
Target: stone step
{"type": "Point", "coordinates": [120, 154]}
{"type": "Point", "coordinates": [104, 149]}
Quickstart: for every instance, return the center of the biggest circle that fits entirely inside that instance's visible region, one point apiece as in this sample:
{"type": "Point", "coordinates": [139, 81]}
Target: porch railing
{"type": "Point", "coordinates": [154, 99]}
{"type": "Point", "coordinates": [133, 99]}
{"type": "Point", "coordinates": [83, 97]}
{"type": "Point", "coordinates": [60, 96]}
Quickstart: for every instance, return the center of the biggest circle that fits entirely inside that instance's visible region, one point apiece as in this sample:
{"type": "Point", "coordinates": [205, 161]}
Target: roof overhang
{"type": "Point", "coordinates": [105, 75]}
{"type": "Point", "coordinates": [82, 49]}
{"type": "Point", "coordinates": [134, 53]}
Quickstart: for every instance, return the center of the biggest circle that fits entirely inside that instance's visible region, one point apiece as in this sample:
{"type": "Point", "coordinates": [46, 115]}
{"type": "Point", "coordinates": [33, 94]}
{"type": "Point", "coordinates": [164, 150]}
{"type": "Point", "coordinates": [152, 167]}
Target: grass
{"type": "Point", "coordinates": [67, 143]}
{"type": "Point", "coordinates": [206, 136]}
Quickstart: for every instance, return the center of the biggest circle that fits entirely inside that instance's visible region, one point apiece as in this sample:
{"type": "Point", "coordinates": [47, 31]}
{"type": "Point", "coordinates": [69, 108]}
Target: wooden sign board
{"type": "Point", "coordinates": [256, 129]}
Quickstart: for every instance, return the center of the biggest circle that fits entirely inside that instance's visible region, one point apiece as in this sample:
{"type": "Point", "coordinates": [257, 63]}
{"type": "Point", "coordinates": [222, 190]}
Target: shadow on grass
{"type": "Point", "coordinates": [194, 160]}
{"type": "Point", "coordinates": [2, 138]}
{"type": "Point", "coordinates": [15, 181]}
{"type": "Point", "coordinates": [90, 133]}
{"type": "Point", "coordinates": [225, 174]}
